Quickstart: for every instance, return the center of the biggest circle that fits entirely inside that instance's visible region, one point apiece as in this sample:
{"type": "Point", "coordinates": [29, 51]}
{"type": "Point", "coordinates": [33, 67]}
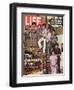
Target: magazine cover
{"type": "Point", "coordinates": [42, 44]}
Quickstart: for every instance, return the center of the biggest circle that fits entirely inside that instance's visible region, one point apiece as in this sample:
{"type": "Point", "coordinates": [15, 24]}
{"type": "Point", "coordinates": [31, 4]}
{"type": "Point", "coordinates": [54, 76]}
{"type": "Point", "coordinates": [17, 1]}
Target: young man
{"type": "Point", "coordinates": [33, 35]}
{"type": "Point", "coordinates": [48, 41]}
{"type": "Point", "coordinates": [53, 39]}
{"type": "Point", "coordinates": [39, 31]}
{"type": "Point", "coordinates": [53, 63]}
{"type": "Point", "coordinates": [43, 38]}
{"type": "Point", "coordinates": [58, 53]}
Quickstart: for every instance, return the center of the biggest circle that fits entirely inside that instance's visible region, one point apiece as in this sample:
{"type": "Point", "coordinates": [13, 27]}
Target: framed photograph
{"type": "Point", "coordinates": [40, 44]}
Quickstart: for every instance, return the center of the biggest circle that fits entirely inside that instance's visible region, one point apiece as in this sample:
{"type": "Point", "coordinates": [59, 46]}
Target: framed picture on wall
{"type": "Point", "coordinates": [40, 44]}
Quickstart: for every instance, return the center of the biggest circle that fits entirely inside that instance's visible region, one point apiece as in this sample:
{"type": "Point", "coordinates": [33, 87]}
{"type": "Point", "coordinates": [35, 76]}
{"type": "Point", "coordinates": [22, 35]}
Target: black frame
{"type": "Point", "coordinates": [13, 39]}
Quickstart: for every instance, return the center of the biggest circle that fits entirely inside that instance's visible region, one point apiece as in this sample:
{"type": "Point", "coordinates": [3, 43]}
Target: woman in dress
{"type": "Point", "coordinates": [53, 63]}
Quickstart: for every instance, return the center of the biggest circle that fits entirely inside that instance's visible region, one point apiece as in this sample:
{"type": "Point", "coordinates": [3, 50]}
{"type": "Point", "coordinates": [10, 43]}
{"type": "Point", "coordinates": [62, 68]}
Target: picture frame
{"type": "Point", "coordinates": [22, 16]}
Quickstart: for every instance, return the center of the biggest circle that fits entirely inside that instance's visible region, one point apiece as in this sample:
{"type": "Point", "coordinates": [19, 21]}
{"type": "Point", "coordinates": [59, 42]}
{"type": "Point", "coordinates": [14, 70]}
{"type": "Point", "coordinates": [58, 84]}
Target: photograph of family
{"type": "Point", "coordinates": [42, 44]}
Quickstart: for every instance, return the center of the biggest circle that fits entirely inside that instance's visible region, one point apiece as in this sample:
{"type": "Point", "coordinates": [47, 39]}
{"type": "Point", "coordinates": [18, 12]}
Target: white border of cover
{"type": "Point", "coordinates": [43, 78]}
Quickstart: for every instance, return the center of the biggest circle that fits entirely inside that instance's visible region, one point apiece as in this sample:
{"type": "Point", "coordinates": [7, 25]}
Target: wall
{"type": "Point", "coordinates": [4, 43]}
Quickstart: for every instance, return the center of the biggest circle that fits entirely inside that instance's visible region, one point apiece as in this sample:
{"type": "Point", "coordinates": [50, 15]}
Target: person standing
{"type": "Point", "coordinates": [53, 63]}
{"type": "Point", "coordinates": [39, 31]}
{"type": "Point", "coordinates": [53, 39]}
{"type": "Point", "coordinates": [58, 53]}
{"type": "Point", "coordinates": [43, 38]}
{"type": "Point", "coordinates": [48, 41]}
{"type": "Point", "coordinates": [33, 35]}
